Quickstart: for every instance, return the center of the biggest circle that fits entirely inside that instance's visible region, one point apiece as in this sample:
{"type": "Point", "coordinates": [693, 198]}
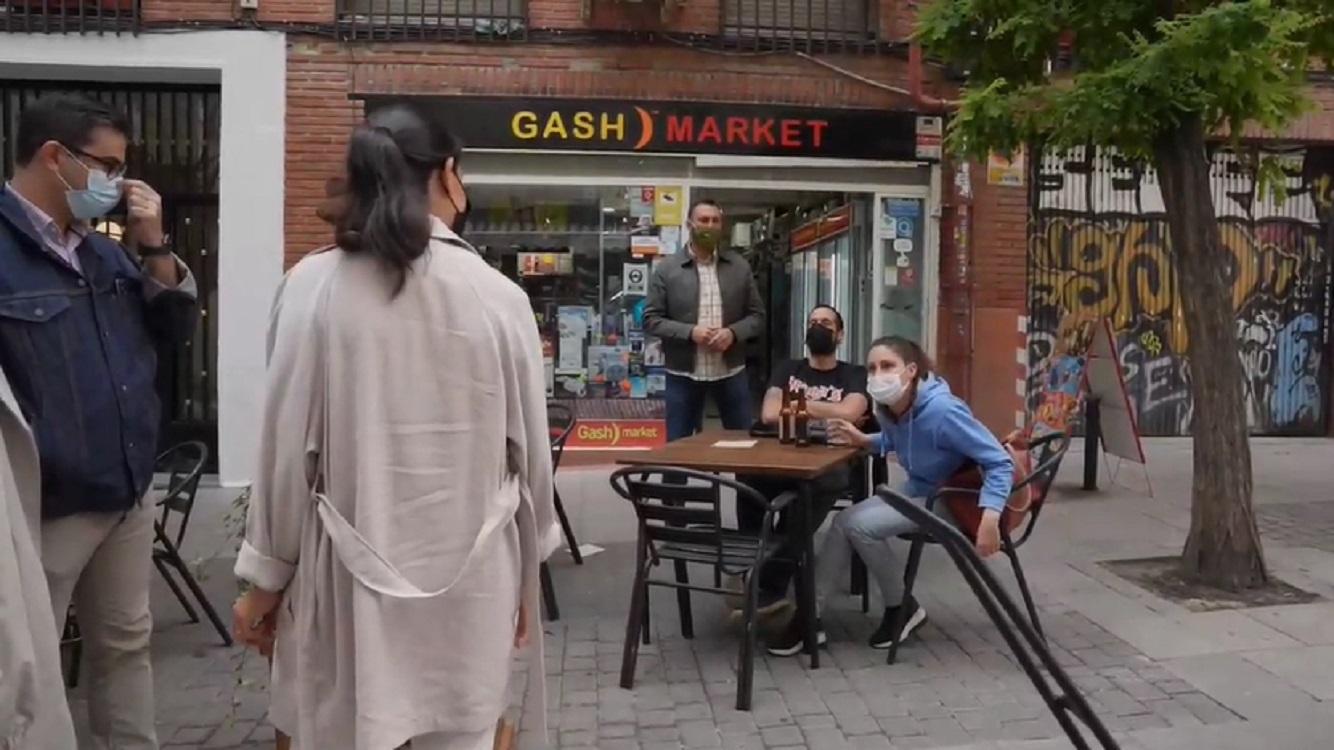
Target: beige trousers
{"type": "Point", "coordinates": [102, 562]}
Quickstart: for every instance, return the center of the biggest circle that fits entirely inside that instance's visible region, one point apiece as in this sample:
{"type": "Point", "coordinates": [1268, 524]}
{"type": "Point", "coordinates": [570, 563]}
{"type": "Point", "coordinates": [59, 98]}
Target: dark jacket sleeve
{"type": "Point", "coordinates": [656, 320]}
{"type": "Point", "coordinates": [172, 317]}
{"type": "Point", "coordinates": [751, 325]}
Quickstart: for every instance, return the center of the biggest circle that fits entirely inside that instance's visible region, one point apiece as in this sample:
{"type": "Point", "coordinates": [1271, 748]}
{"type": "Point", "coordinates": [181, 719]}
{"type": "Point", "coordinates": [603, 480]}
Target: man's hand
{"type": "Point", "coordinates": [988, 534]}
{"type": "Point", "coordinates": [721, 339]}
{"type": "Point", "coordinates": [700, 335]}
{"type": "Point", "coordinates": [145, 214]}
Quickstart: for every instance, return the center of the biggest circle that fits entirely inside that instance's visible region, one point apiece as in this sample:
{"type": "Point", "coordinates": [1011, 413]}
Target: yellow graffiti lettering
{"type": "Point", "coordinates": [1122, 270]}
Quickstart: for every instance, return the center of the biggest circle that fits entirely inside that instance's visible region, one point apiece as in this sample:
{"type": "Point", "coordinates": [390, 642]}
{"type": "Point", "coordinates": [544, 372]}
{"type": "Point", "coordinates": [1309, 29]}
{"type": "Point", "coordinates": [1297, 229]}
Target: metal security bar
{"type": "Point", "coordinates": [174, 146]}
{"type": "Point", "coordinates": [447, 20]}
{"type": "Point", "coordinates": [800, 25]}
{"type": "Point", "coordinates": [69, 16]}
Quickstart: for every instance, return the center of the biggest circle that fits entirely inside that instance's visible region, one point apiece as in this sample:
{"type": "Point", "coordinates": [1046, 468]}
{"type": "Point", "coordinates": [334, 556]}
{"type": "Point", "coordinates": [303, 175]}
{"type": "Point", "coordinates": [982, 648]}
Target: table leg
{"type": "Point", "coordinates": [808, 596]}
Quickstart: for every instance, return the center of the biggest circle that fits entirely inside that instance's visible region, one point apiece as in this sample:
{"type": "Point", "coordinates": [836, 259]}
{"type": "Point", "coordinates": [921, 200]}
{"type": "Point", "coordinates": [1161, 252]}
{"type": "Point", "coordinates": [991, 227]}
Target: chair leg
{"type": "Point", "coordinates": [745, 669]}
{"type": "Point", "coordinates": [636, 626]}
{"type": "Point", "coordinates": [567, 528]}
{"type": "Point", "coordinates": [909, 578]}
{"type": "Point", "coordinates": [646, 636]}
{"type": "Point", "coordinates": [200, 597]}
{"type": "Point", "coordinates": [549, 593]}
{"type": "Point", "coordinates": [1013, 554]}
{"type": "Point", "coordinates": [683, 601]}
{"type": "Point", "coordinates": [176, 589]}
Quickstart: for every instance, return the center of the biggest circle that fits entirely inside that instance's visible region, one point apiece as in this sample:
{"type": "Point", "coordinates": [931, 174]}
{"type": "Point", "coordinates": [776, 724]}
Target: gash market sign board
{"type": "Point", "coordinates": [527, 123]}
{"type": "Point", "coordinates": [617, 434]}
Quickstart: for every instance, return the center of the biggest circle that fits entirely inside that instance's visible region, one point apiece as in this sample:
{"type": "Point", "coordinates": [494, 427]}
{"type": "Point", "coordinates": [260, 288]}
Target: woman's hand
{"type": "Point", "coordinates": [252, 618]}
{"type": "Point", "coordinates": [988, 534]}
{"type": "Point", "coordinates": [521, 628]}
{"type": "Point", "coordinates": [843, 432]}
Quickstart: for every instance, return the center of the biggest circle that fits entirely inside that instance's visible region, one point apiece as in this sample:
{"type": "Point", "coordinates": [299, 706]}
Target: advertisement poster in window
{"type": "Point", "coordinates": [667, 207]}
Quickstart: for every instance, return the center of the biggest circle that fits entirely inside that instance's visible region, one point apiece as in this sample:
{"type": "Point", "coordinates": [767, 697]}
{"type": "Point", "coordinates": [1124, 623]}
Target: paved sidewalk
{"type": "Point", "coordinates": [1159, 675]}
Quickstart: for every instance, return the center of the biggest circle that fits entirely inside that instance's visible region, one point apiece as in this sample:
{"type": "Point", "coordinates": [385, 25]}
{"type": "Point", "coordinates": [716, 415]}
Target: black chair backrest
{"type": "Point", "coordinates": [184, 466]}
{"type": "Point", "coordinates": [1047, 452]}
{"type": "Point", "coordinates": [673, 512]}
{"type": "Point", "coordinates": [560, 424]}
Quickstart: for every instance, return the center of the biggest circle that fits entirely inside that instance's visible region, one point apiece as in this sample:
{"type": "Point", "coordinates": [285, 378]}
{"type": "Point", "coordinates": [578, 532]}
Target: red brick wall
{"type": "Point", "coordinates": [999, 299]}
{"type": "Point", "coordinates": [163, 11]}
{"type": "Point", "coordinates": [894, 17]}
{"type": "Point", "coordinates": [322, 74]}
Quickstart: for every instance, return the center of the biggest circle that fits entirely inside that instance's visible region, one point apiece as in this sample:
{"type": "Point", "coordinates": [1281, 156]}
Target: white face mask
{"type": "Point", "coordinates": [885, 390]}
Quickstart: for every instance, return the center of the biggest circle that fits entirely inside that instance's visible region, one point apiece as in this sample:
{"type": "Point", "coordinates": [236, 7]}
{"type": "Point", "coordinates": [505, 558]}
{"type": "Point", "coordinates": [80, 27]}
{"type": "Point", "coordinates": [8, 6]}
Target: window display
{"type": "Point", "coordinates": [584, 255]}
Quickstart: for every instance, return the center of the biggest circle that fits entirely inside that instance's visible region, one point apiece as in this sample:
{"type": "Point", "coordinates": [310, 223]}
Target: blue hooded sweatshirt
{"type": "Point", "coordinates": [937, 436]}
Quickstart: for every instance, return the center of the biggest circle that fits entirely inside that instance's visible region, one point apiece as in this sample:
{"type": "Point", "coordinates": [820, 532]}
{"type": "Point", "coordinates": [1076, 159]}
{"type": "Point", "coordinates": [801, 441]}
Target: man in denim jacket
{"type": "Point", "coordinates": [80, 319]}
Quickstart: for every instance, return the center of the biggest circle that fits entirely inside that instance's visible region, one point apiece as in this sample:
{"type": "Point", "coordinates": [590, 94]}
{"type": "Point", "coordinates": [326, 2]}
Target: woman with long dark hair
{"type": "Point", "coordinates": [404, 500]}
{"type": "Point", "coordinates": [933, 434]}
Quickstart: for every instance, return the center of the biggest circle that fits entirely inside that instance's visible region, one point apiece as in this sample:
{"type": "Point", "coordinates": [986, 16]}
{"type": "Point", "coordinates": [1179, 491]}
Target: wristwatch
{"type": "Point", "coordinates": [156, 252]}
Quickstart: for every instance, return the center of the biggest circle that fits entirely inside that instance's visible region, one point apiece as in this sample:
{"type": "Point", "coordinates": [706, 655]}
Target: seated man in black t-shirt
{"type": "Point", "coordinates": [833, 389]}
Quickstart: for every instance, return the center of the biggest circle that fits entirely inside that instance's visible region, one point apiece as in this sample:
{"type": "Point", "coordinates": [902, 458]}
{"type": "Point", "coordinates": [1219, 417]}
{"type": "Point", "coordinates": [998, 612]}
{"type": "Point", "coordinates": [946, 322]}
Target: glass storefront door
{"type": "Point", "coordinates": [900, 233]}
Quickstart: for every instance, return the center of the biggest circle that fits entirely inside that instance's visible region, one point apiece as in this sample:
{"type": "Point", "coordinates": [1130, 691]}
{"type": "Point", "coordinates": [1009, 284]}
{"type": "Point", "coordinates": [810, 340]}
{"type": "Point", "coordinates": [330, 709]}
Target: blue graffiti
{"type": "Point", "coordinates": [1296, 396]}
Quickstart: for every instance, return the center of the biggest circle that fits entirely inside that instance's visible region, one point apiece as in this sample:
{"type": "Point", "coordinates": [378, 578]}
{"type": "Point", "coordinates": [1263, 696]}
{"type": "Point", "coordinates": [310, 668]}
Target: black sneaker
{"type": "Point", "coordinates": [769, 606]}
{"type": "Point", "coordinates": [883, 636]}
{"type": "Point", "coordinates": [792, 640]}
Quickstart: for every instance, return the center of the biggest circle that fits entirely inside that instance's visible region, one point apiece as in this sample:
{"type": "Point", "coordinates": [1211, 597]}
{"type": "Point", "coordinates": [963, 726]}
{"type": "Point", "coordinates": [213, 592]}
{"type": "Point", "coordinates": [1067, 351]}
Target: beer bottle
{"type": "Point", "coordinates": [785, 418]}
{"type": "Point", "coordinates": [802, 421]}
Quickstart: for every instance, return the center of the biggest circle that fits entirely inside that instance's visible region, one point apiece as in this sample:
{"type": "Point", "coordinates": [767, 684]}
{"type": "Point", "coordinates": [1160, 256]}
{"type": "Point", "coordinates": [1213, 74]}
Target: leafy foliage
{"type": "Point", "coordinates": [1140, 67]}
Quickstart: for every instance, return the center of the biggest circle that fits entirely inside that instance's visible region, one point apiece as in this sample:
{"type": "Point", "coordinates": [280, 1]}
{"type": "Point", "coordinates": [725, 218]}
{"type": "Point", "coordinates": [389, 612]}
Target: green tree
{"type": "Point", "coordinates": [1157, 80]}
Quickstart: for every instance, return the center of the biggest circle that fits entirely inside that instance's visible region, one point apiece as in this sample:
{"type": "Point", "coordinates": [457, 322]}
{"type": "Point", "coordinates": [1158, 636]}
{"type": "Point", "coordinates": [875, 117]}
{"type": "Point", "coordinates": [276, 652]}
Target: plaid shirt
{"type": "Point", "coordinates": [709, 364]}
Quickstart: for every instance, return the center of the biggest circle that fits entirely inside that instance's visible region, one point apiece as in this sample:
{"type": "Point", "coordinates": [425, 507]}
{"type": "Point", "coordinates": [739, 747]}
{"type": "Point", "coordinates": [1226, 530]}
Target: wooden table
{"type": "Point", "coordinates": [767, 458]}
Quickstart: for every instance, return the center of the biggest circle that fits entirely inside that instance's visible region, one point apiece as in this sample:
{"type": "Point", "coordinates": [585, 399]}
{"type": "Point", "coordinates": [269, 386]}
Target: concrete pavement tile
{"type": "Point", "coordinates": [1312, 624]}
{"type": "Point", "coordinates": [1245, 687]}
{"type": "Point", "coordinates": [1310, 669]}
{"type": "Point", "coordinates": [782, 736]}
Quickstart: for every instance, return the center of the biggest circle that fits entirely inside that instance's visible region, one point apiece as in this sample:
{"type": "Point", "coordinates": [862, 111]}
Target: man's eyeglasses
{"type": "Point", "coordinates": [113, 167]}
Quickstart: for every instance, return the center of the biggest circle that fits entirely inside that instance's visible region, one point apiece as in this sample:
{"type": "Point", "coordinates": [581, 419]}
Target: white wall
{"type": "Point", "coordinates": [252, 68]}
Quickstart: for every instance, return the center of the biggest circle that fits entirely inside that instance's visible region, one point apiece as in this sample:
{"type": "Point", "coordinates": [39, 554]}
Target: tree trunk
{"type": "Point", "coordinates": [1223, 548]}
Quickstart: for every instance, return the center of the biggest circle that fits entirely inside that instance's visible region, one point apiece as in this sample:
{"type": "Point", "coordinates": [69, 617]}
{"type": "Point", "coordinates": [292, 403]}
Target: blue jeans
{"type": "Point", "coordinates": [685, 403]}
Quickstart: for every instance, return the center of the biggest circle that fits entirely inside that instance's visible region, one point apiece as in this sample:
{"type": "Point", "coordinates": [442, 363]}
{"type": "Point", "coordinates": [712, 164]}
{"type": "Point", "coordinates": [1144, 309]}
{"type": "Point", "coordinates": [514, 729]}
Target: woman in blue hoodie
{"type": "Point", "coordinates": [933, 434]}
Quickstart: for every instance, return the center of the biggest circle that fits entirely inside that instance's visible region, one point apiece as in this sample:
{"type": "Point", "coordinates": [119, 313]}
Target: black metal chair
{"type": "Point", "coordinates": [682, 522]}
{"type": "Point", "coordinates": [71, 641]}
{"type": "Point", "coordinates": [184, 465]}
{"type": "Point", "coordinates": [561, 422]}
{"type": "Point", "coordinates": [1048, 451]}
{"type": "Point", "coordinates": [1030, 649]}
{"type": "Point", "coordinates": [863, 480]}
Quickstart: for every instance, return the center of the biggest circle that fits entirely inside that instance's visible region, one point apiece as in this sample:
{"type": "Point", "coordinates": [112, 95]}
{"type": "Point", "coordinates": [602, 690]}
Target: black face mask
{"type": "Point", "coordinates": [461, 214]}
{"type": "Point", "coordinates": [820, 341]}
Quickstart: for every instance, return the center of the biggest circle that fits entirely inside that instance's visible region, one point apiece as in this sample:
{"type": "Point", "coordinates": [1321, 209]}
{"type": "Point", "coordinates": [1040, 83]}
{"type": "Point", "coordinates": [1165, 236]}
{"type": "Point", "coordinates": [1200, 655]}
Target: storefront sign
{"type": "Point", "coordinates": [618, 434]}
{"type": "Point", "coordinates": [682, 127]}
{"type": "Point", "coordinates": [636, 278]}
{"type": "Point", "coordinates": [1006, 172]}
{"type": "Point", "coordinates": [668, 210]}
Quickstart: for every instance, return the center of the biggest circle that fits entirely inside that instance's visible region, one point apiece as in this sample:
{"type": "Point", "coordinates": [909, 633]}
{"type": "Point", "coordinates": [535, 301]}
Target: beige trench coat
{"type": "Point", "coordinates": [427, 412]}
{"type": "Point", "coordinates": [33, 711]}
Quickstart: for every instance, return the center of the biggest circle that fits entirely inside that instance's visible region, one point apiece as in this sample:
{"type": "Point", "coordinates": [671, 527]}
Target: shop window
{"type": "Point", "coordinates": [584, 255]}
{"type": "Point", "coordinates": [800, 24]}
{"type": "Point", "coordinates": [431, 18]}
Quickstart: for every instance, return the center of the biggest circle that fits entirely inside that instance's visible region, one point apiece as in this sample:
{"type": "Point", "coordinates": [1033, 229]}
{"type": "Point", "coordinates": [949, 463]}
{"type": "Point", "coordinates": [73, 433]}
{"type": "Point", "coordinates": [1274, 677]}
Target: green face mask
{"type": "Point", "coordinates": [705, 238]}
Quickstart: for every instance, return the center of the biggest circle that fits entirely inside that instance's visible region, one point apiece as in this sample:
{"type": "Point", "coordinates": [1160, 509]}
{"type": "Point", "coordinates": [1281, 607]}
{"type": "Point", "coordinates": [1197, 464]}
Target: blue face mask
{"type": "Point", "coordinates": [96, 200]}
